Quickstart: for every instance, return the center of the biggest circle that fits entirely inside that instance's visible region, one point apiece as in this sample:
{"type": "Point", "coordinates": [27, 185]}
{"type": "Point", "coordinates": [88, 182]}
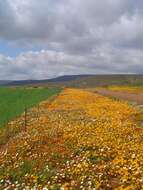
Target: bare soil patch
{"type": "Point", "coordinates": [134, 98]}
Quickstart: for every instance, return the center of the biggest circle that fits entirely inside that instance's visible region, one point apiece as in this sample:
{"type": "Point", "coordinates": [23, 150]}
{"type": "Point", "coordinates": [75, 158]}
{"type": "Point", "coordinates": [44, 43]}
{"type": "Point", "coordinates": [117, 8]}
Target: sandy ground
{"type": "Point", "coordinates": [134, 98]}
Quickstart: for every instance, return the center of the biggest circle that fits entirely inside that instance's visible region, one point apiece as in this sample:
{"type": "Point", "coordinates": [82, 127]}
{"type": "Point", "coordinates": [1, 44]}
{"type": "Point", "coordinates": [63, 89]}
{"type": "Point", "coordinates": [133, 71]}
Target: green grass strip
{"type": "Point", "coordinates": [13, 101]}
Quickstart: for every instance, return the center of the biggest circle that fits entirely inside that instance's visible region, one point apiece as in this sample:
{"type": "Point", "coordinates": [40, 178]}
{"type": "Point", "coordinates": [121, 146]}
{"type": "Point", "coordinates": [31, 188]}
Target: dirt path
{"type": "Point", "coordinates": [135, 98]}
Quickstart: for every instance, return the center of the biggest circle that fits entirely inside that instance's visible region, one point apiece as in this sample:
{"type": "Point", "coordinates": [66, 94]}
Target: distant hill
{"type": "Point", "coordinates": [65, 78]}
{"type": "Point", "coordinates": [105, 80]}
{"type": "Point", "coordinates": [4, 82]}
{"type": "Point", "coordinates": [81, 81]}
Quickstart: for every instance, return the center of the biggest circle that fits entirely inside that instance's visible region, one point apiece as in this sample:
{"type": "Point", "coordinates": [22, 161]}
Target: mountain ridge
{"type": "Point", "coordinates": [86, 80]}
{"type": "Point", "coordinates": [63, 78]}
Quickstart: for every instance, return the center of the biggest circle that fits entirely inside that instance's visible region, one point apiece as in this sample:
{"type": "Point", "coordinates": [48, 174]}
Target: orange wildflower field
{"type": "Point", "coordinates": [129, 89]}
{"type": "Point", "coordinates": [80, 140]}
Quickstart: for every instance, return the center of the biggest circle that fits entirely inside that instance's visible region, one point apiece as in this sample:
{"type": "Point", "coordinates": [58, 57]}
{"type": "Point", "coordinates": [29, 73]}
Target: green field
{"type": "Point", "coordinates": [13, 101]}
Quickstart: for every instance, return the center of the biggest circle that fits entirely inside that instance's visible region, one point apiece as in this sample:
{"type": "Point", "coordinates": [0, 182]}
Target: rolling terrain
{"type": "Point", "coordinates": [107, 80]}
{"type": "Point", "coordinates": [82, 81]}
{"type": "Point", "coordinates": [58, 80]}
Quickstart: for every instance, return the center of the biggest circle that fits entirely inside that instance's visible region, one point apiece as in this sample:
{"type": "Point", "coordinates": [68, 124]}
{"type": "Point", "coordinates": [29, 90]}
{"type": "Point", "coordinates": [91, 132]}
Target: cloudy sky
{"type": "Point", "coordinates": [49, 38]}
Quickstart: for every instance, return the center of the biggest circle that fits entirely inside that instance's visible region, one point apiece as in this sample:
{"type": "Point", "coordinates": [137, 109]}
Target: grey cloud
{"type": "Point", "coordinates": [48, 64]}
{"type": "Point", "coordinates": [78, 36]}
{"type": "Point", "coordinates": [32, 19]}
